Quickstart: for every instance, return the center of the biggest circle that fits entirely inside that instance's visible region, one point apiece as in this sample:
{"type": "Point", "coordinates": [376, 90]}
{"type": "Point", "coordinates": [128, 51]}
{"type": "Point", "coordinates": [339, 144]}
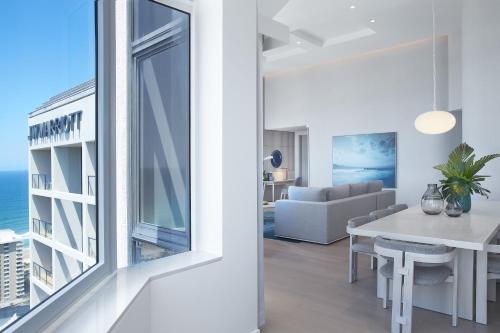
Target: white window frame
{"type": "Point", "coordinates": [47, 311]}
{"type": "Point", "coordinates": [136, 46]}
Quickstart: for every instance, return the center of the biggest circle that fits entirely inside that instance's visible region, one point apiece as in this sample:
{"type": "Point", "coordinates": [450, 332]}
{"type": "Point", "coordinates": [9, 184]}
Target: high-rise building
{"type": "Point", "coordinates": [62, 171]}
{"type": "Point", "coordinates": [12, 270]}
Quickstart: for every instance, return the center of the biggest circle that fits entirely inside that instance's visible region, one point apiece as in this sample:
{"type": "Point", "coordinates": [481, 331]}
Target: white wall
{"type": "Point", "coordinates": [219, 297]}
{"type": "Point", "coordinates": [481, 83]}
{"type": "Point", "coordinates": [382, 91]}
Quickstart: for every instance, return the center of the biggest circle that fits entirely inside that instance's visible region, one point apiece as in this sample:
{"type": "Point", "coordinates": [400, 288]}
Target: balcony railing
{"type": "Point", "coordinates": [43, 228]}
{"type": "Point", "coordinates": [92, 247]}
{"type": "Point", "coordinates": [42, 274]}
{"type": "Point", "coordinates": [41, 182]}
{"type": "Point", "coordinates": [91, 185]}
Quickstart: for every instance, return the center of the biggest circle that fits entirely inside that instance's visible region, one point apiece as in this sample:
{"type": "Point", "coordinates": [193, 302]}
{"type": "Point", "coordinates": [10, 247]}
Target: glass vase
{"type": "Point", "coordinates": [432, 202]}
{"type": "Point", "coordinates": [453, 207]}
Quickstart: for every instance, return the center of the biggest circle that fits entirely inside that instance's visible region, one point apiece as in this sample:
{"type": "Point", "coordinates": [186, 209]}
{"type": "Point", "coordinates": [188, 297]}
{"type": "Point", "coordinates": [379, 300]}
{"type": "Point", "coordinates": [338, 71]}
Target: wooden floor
{"type": "Point", "coordinates": [306, 291]}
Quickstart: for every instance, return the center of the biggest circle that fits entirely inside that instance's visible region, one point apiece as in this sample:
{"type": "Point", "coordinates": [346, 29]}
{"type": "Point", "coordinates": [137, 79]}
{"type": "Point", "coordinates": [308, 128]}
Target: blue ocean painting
{"type": "Point", "coordinates": [364, 157]}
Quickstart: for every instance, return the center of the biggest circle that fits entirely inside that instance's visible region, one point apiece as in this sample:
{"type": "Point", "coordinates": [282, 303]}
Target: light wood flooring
{"type": "Point", "coordinates": [306, 291]}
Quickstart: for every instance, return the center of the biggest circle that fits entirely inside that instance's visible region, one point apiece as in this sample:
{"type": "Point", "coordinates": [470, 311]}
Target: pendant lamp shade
{"type": "Point", "coordinates": [435, 122]}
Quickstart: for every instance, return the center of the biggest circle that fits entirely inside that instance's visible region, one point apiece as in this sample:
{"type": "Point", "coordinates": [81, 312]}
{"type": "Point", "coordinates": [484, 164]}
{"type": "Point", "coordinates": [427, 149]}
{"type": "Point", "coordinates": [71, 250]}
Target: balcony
{"type": "Point", "coordinates": [43, 228]}
{"type": "Point", "coordinates": [41, 182]}
{"type": "Point", "coordinates": [92, 247]}
{"type": "Point", "coordinates": [91, 189]}
{"type": "Point", "coordinates": [42, 274]}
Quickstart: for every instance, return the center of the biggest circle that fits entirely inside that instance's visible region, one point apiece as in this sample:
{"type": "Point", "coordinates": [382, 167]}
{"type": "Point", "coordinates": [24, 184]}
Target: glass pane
{"type": "Point", "coordinates": [150, 15]}
{"type": "Point", "coordinates": [164, 138]}
{"type": "Point", "coordinates": [47, 145]}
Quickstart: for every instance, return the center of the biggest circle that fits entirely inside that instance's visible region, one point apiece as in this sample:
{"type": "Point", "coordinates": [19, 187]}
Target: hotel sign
{"type": "Point", "coordinates": [60, 125]}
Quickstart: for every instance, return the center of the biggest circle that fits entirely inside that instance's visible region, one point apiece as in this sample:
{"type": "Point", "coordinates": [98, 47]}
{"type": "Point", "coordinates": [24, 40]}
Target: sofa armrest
{"type": "Point", "coordinates": [385, 198]}
{"type": "Point", "coordinates": [304, 220]}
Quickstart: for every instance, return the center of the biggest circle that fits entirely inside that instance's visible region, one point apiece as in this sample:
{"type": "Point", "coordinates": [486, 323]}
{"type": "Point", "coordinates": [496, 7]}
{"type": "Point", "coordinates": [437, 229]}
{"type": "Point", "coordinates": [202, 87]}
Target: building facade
{"type": "Point", "coordinates": [62, 171]}
{"type": "Point", "coordinates": [12, 271]}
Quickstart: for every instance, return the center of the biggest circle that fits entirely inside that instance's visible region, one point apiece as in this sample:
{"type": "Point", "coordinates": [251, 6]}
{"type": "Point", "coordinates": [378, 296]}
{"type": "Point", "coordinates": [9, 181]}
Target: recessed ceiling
{"type": "Point", "coordinates": [325, 30]}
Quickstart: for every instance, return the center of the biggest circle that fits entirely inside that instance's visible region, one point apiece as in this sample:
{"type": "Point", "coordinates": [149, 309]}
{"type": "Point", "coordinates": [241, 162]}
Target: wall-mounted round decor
{"type": "Point", "coordinates": [277, 158]}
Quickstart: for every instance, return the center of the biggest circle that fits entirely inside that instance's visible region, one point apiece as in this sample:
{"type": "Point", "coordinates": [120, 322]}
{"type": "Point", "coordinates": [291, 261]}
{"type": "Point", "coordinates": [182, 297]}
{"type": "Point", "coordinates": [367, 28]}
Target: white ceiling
{"type": "Point", "coordinates": [326, 30]}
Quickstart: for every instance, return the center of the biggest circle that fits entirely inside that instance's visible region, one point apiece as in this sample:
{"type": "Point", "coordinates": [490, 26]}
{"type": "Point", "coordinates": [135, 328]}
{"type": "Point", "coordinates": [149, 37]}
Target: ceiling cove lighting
{"type": "Point", "coordinates": [435, 121]}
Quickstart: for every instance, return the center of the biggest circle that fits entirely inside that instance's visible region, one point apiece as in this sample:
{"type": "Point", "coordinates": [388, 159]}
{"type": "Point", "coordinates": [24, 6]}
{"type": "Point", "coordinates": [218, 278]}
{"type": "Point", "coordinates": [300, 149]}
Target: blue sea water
{"type": "Point", "coordinates": [359, 175]}
{"type": "Point", "coordinates": [14, 201]}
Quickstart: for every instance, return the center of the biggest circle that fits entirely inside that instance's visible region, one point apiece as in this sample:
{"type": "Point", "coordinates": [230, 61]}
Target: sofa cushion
{"type": "Point", "coordinates": [375, 186]}
{"type": "Point", "coordinates": [358, 189]}
{"type": "Point", "coordinates": [317, 194]}
{"type": "Point", "coordinates": [338, 192]}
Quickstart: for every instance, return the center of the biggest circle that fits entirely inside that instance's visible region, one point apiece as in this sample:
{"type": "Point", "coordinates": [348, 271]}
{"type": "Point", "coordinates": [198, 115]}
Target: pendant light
{"type": "Point", "coordinates": [435, 121]}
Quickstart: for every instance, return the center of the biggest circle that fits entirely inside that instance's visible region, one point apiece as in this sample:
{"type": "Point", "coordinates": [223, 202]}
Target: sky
{"type": "Point", "coordinates": [365, 151]}
{"type": "Point", "coordinates": [48, 46]}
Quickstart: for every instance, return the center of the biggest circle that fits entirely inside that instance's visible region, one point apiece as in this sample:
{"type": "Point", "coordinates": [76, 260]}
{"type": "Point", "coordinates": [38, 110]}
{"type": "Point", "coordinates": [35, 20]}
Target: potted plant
{"type": "Point", "coordinates": [461, 178]}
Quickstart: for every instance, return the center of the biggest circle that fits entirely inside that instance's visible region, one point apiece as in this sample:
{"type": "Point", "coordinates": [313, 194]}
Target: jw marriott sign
{"type": "Point", "coordinates": [60, 125]}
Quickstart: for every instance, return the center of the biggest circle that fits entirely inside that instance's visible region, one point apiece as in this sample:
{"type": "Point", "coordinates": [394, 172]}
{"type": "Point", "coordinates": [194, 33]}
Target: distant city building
{"type": "Point", "coordinates": [12, 271]}
{"type": "Point", "coordinates": [62, 171]}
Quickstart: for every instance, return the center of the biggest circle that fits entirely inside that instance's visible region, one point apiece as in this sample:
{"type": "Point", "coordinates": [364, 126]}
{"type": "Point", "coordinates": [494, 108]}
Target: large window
{"type": "Point", "coordinates": [48, 151]}
{"type": "Point", "coordinates": [161, 57]}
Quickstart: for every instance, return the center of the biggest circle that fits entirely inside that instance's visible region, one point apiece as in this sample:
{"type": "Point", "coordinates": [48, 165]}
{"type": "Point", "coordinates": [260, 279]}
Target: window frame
{"type": "Point", "coordinates": [150, 44]}
{"type": "Point", "coordinates": [44, 313]}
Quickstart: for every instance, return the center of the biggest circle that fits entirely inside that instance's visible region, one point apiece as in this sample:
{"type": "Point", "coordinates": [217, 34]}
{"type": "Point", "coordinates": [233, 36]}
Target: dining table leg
{"type": "Point", "coordinates": [482, 287]}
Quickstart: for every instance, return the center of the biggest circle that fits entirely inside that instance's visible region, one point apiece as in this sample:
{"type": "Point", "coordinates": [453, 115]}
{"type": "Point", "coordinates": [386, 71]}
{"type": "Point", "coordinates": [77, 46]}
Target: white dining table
{"type": "Point", "coordinates": [469, 233]}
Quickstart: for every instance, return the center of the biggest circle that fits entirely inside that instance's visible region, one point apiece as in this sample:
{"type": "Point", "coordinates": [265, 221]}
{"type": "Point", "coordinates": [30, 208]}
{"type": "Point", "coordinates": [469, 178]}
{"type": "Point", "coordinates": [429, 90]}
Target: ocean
{"type": "Point", "coordinates": [14, 201]}
{"type": "Point", "coordinates": [346, 175]}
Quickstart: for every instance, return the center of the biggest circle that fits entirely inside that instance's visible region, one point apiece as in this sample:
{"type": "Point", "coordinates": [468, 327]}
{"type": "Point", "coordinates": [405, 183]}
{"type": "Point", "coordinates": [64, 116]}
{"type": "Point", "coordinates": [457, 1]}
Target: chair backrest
{"type": "Point", "coordinates": [359, 221]}
{"type": "Point", "coordinates": [378, 214]}
{"type": "Point", "coordinates": [298, 181]}
{"type": "Point", "coordinates": [420, 248]}
{"type": "Point", "coordinates": [398, 207]}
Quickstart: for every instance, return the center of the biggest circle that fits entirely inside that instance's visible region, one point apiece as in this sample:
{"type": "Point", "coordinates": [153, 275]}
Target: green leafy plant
{"type": "Point", "coordinates": [461, 173]}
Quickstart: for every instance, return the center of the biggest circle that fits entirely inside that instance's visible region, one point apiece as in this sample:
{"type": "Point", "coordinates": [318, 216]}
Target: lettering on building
{"type": "Point", "coordinates": [60, 125]}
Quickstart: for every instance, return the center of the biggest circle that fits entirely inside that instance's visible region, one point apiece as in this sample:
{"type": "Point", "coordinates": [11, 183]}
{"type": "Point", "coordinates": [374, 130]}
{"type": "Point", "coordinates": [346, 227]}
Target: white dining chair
{"type": "Point", "coordinates": [378, 214]}
{"type": "Point", "coordinates": [414, 264]}
{"type": "Point", "coordinates": [398, 207]}
{"type": "Point", "coordinates": [363, 245]}
{"type": "Point", "coordinates": [493, 269]}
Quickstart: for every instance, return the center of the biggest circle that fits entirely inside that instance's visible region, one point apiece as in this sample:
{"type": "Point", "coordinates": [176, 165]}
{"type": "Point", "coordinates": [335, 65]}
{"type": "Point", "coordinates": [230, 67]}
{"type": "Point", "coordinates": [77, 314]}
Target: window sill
{"type": "Point", "coordinates": [103, 306]}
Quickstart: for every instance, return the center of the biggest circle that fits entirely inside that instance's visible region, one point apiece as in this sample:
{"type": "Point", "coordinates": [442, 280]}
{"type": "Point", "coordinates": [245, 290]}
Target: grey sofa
{"type": "Point", "coordinates": [320, 215]}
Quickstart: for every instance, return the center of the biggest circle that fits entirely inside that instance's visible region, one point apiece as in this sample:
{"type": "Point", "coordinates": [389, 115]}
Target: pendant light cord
{"type": "Point", "coordinates": [434, 54]}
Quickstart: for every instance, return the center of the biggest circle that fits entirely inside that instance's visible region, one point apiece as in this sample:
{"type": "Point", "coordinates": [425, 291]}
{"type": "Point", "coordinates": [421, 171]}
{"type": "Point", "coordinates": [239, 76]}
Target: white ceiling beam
{"type": "Point", "coordinates": [307, 38]}
{"type": "Point", "coordinates": [274, 29]}
{"type": "Point", "coordinates": [349, 37]}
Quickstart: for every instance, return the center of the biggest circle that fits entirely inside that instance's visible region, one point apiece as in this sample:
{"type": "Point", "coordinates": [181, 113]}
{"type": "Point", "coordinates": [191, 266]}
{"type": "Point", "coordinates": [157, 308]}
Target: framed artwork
{"type": "Point", "coordinates": [364, 157]}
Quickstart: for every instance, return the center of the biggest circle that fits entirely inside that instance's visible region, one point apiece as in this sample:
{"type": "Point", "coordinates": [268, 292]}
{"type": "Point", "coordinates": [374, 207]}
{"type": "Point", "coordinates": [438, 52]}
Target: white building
{"type": "Point", "coordinates": [12, 270]}
{"type": "Point", "coordinates": [62, 169]}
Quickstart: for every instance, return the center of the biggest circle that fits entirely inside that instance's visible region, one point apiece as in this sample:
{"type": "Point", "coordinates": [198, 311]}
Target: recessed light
{"type": "Point", "coordinates": [372, 21]}
{"type": "Point", "coordinates": [299, 42]}
{"type": "Point", "coordinates": [352, 7]}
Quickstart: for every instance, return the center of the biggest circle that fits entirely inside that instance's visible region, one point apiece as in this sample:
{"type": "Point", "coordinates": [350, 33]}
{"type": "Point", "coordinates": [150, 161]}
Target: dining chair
{"type": "Point", "coordinates": [414, 264]}
{"type": "Point", "coordinates": [378, 214]}
{"type": "Point", "coordinates": [398, 207]}
{"type": "Point", "coordinates": [493, 269]}
{"type": "Point", "coordinates": [363, 245]}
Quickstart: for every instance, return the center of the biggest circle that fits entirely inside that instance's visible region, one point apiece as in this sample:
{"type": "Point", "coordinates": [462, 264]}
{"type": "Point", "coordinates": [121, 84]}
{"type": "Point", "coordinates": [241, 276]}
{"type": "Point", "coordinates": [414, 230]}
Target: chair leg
{"type": "Point", "coordinates": [373, 263]}
{"type": "Point", "coordinates": [408, 298]}
{"type": "Point", "coordinates": [455, 292]}
{"type": "Point", "coordinates": [355, 266]}
{"type": "Point", "coordinates": [397, 284]}
{"type": "Point", "coordinates": [353, 261]}
{"type": "Point", "coordinates": [351, 268]}
{"type": "Point", "coordinates": [386, 293]}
